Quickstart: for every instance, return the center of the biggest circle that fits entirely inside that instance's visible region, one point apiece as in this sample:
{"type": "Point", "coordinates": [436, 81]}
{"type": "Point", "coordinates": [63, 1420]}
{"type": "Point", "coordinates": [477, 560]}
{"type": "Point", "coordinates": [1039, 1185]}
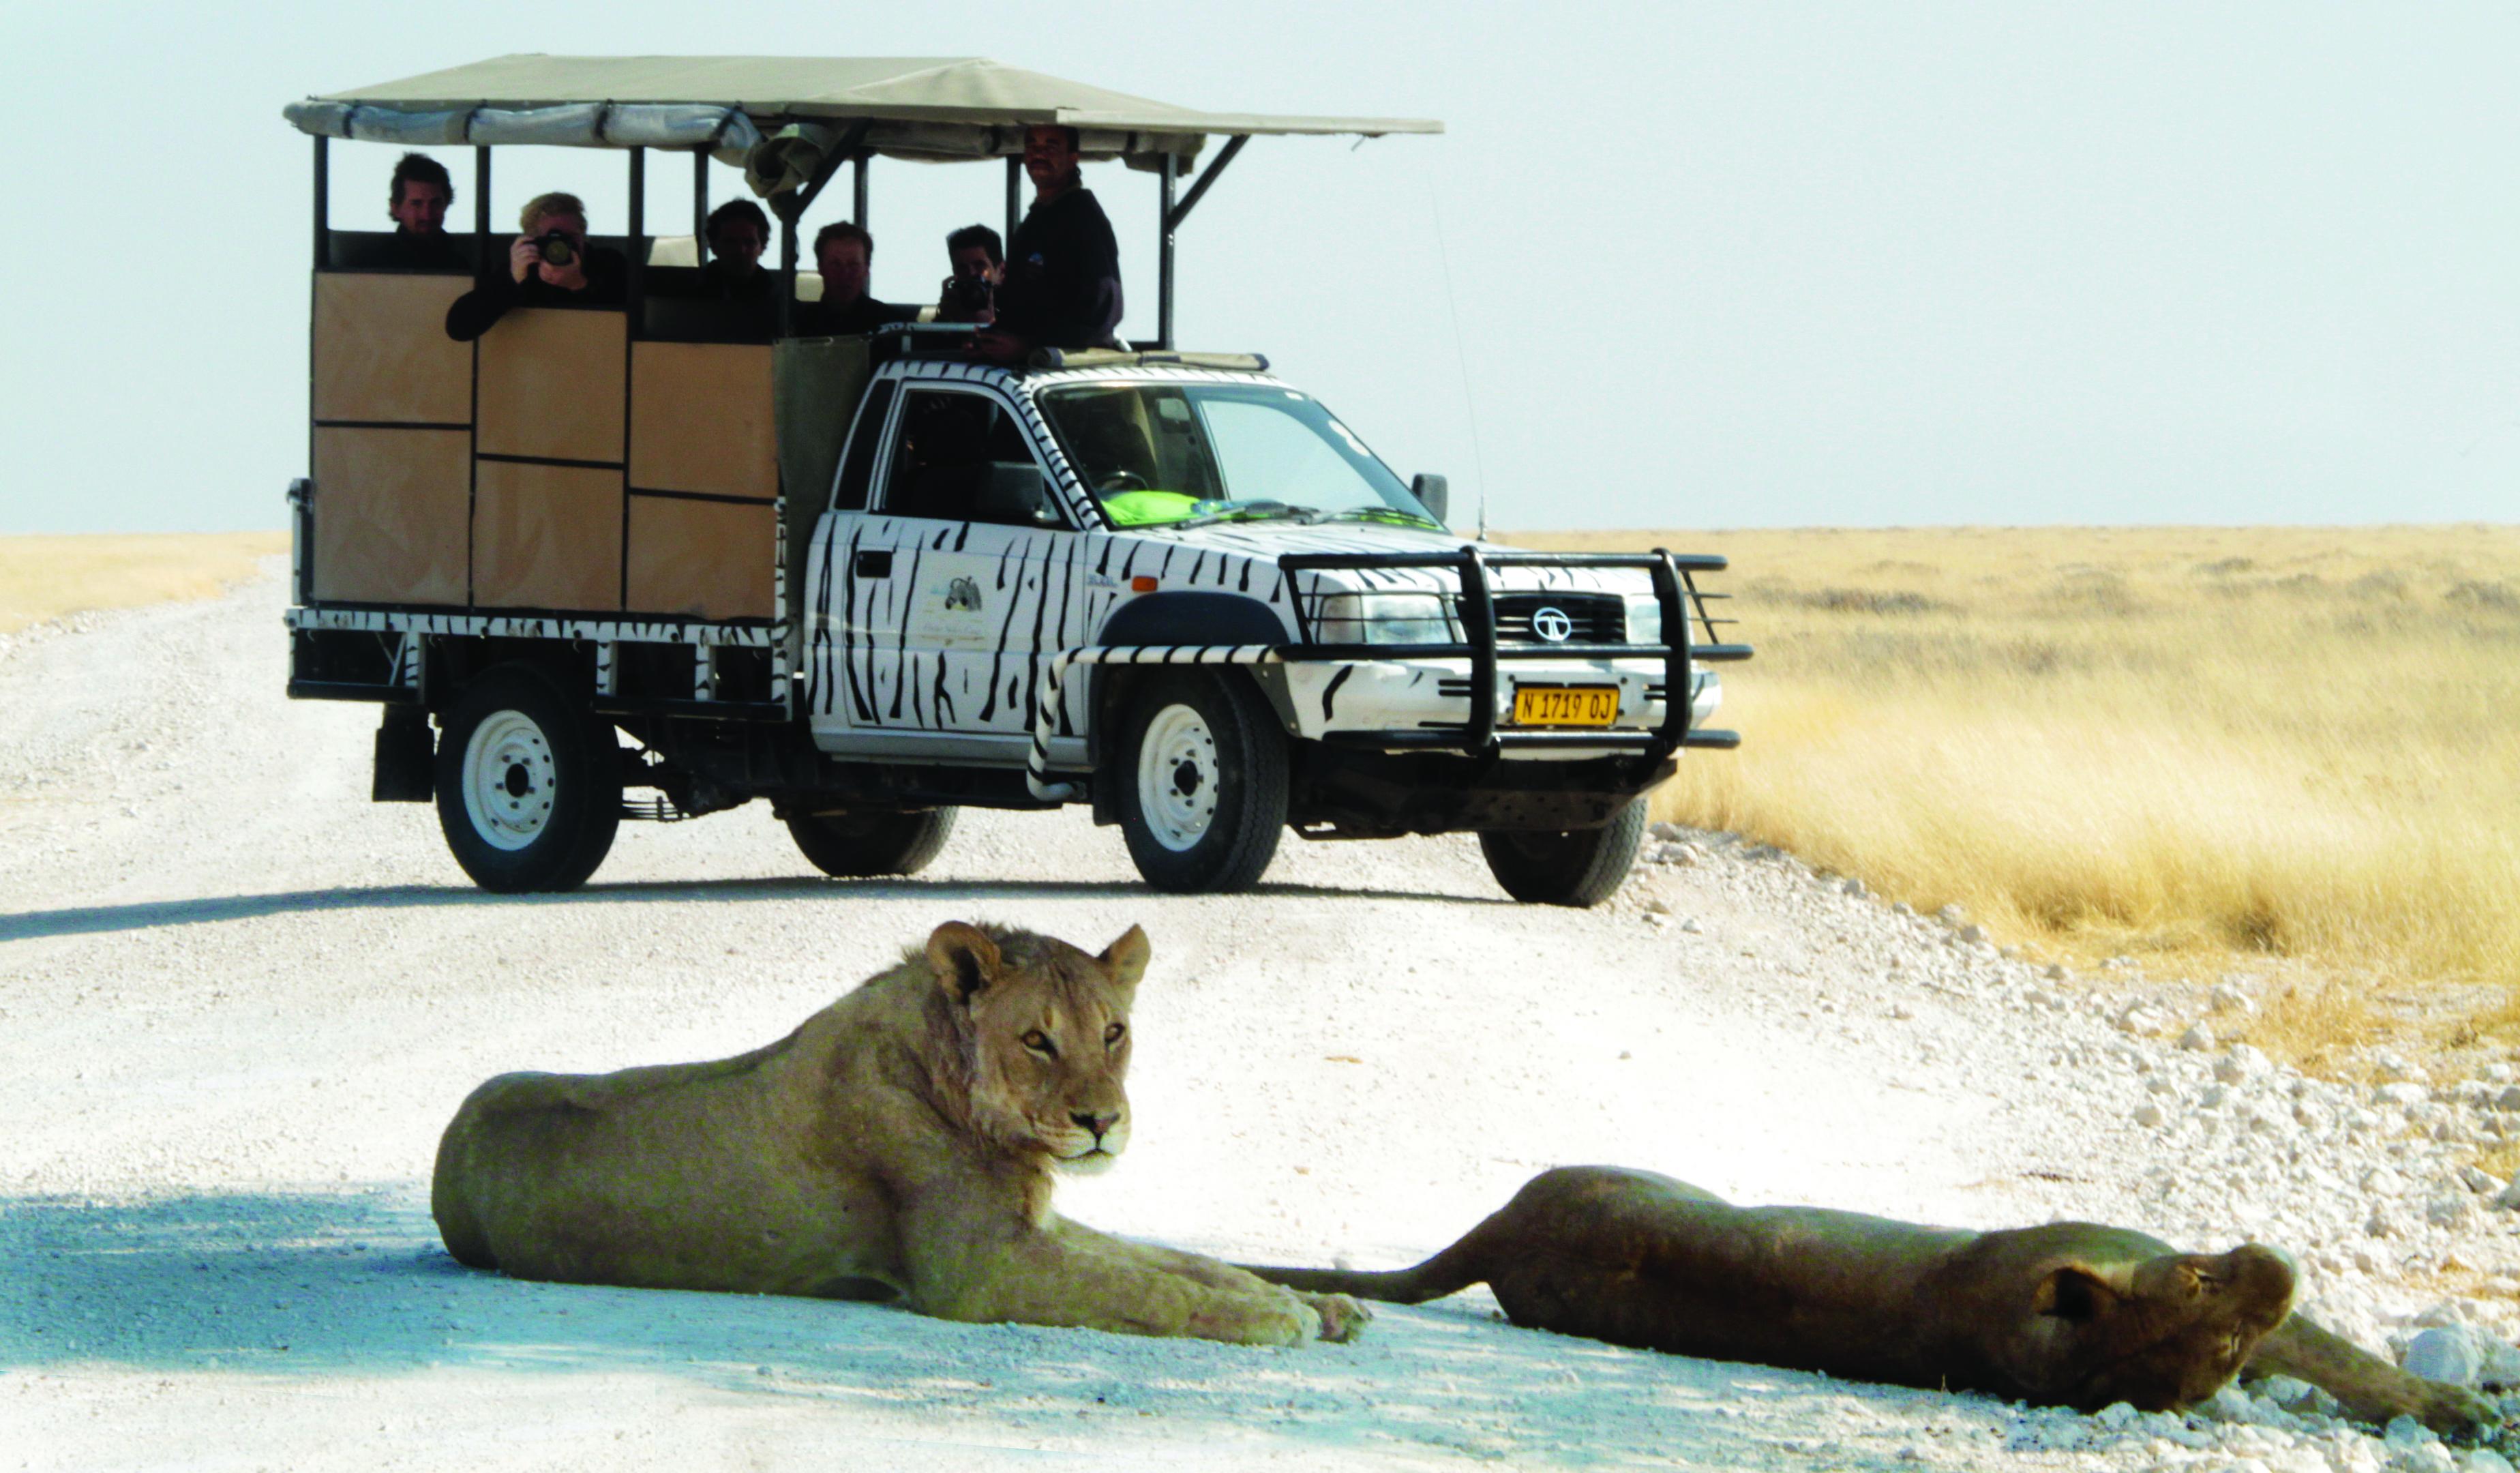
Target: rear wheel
{"type": "Point", "coordinates": [859, 846]}
{"type": "Point", "coordinates": [529, 783]}
{"type": "Point", "coordinates": [1202, 771]}
{"type": "Point", "coordinates": [1574, 867]}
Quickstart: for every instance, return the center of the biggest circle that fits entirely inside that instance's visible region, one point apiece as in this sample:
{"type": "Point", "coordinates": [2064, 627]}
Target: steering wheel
{"type": "Point", "coordinates": [1121, 481]}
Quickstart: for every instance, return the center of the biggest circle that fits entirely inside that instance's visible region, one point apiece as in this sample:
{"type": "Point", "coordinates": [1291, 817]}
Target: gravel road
{"type": "Point", "coordinates": [240, 1002]}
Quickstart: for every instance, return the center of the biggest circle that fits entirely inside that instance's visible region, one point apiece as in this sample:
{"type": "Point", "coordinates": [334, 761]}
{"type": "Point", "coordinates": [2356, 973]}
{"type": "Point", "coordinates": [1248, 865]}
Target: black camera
{"type": "Point", "coordinates": [555, 248]}
{"type": "Point", "coordinates": [966, 298]}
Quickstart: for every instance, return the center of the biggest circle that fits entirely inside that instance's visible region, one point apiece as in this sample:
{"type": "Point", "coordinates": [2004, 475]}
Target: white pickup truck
{"type": "Point", "coordinates": [873, 581]}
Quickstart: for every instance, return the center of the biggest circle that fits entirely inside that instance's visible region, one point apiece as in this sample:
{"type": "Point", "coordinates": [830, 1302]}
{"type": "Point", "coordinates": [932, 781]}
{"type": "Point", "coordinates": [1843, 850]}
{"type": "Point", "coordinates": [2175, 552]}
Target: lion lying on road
{"type": "Point", "coordinates": [2072, 1313]}
{"type": "Point", "coordinates": [900, 1144]}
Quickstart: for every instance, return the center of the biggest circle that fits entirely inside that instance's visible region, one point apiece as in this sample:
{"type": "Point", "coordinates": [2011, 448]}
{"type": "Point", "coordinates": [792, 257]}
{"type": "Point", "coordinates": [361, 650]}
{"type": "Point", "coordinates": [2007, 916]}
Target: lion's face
{"type": "Point", "coordinates": [1045, 1028]}
{"type": "Point", "coordinates": [2164, 1333]}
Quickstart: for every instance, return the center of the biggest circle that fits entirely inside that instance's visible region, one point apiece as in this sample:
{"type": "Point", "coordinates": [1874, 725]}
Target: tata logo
{"type": "Point", "coordinates": [1551, 622]}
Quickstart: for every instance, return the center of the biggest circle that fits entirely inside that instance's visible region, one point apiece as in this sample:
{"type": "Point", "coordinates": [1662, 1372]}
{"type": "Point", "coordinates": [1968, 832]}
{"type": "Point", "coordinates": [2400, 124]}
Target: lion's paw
{"type": "Point", "coordinates": [2458, 1414]}
{"type": "Point", "coordinates": [1342, 1318]}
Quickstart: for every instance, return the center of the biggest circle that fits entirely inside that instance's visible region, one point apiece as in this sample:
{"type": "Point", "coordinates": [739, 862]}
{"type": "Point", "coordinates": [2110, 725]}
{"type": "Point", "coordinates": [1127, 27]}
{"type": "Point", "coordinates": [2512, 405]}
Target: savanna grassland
{"type": "Point", "coordinates": [44, 578]}
{"type": "Point", "coordinates": [2294, 750]}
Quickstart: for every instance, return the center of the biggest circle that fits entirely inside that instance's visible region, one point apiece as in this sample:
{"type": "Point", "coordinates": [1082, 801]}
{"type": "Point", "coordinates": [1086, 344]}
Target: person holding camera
{"type": "Point", "coordinates": [550, 265]}
{"type": "Point", "coordinates": [979, 263]}
{"type": "Point", "coordinates": [1062, 273]}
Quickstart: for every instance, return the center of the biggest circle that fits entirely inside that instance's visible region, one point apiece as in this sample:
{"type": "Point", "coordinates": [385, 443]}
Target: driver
{"type": "Point", "coordinates": [550, 265]}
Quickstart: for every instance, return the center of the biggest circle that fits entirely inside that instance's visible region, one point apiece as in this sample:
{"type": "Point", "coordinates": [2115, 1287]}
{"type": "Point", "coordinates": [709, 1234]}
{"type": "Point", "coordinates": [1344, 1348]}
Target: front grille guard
{"type": "Point", "coordinates": [1685, 618]}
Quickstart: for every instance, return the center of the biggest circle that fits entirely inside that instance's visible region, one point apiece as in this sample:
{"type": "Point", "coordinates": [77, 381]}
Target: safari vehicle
{"type": "Point", "coordinates": [875, 579]}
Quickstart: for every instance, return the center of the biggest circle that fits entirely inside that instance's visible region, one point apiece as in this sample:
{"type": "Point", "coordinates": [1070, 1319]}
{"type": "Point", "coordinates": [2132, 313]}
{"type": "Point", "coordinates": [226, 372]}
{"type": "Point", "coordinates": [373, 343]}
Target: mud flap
{"type": "Point", "coordinates": [406, 757]}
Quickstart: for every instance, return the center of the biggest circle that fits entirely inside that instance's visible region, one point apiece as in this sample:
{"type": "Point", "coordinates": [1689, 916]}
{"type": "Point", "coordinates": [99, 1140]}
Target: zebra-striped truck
{"type": "Point", "coordinates": [1167, 585]}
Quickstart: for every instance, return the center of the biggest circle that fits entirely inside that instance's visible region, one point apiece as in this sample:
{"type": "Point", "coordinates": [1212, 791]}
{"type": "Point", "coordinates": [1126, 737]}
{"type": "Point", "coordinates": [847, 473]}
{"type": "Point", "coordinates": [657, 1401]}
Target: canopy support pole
{"type": "Point", "coordinates": [1172, 216]}
{"type": "Point", "coordinates": [322, 200]}
{"type": "Point", "coordinates": [481, 263]}
{"type": "Point", "coordinates": [858, 204]}
{"type": "Point", "coordinates": [1206, 179]}
{"type": "Point", "coordinates": [638, 241]}
{"type": "Point", "coordinates": [791, 209]}
{"type": "Point", "coordinates": [1014, 198]}
{"type": "Point", "coordinates": [1164, 255]}
{"type": "Point", "coordinates": [699, 204]}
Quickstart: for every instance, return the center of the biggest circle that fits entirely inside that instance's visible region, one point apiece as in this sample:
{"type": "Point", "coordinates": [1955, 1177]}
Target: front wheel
{"type": "Point", "coordinates": [861, 846]}
{"type": "Point", "coordinates": [1578, 867]}
{"type": "Point", "coordinates": [1202, 768]}
{"type": "Point", "coordinates": [529, 783]}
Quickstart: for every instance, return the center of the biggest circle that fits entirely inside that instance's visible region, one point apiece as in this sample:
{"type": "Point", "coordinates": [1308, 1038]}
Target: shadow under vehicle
{"type": "Point", "coordinates": [874, 580]}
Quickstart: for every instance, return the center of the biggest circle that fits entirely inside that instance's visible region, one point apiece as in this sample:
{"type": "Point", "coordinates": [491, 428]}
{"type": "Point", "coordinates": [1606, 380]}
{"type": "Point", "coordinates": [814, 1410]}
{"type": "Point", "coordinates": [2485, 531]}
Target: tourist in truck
{"type": "Point", "coordinates": [550, 265]}
{"type": "Point", "coordinates": [739, 232]}
{"type": "Point", "coordinates": [417, 203]}
{"type": "Point", "coordinates": [1062, 271]}
{"type": "Point", "coordinates": [844, 254]}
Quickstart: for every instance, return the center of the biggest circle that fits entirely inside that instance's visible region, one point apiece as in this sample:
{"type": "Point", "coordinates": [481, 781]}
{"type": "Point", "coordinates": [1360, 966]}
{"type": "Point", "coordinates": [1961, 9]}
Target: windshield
{"type": "Point", "coordinates": [1191, 454]}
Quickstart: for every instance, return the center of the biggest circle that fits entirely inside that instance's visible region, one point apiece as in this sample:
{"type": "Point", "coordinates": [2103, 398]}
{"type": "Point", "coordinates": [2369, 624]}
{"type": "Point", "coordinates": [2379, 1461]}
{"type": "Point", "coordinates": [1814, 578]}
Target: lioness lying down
{"type": "Point", "coordinates": [2072, 1313]}
{"type": "Point", "coordinates": [899, 1145]}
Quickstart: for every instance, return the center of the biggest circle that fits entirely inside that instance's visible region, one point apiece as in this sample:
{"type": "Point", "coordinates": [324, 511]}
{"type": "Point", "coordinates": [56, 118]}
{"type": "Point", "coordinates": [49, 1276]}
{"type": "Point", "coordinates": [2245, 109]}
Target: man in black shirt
{"type": "Point", "coordinates": [738, 233]}
{"type": "Point", "coordinates": [1063, 274]}
{"type": "Point", "coordinates": [843, 252]}
{"type": "Point", "coordinates": [587, 279]}
{"type": "Point", "coordinates": [417, 203]}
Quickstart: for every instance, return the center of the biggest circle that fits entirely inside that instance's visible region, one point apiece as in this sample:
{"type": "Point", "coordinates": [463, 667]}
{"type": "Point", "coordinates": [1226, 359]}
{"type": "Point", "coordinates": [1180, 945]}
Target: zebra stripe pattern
{"type": "Point", "coordinates": [1045, 720]}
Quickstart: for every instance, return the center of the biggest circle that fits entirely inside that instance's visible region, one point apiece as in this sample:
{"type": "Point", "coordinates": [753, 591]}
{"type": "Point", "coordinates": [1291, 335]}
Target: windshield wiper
{"type": "Point", "coordinates": [1390, 516]}
{"type": "Point", "coordinates": [1250, 511]}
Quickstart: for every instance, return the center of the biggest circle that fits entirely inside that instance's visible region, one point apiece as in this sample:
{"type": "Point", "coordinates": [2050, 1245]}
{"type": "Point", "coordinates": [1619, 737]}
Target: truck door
{"type": "Point", "coordinates": [957, 582]}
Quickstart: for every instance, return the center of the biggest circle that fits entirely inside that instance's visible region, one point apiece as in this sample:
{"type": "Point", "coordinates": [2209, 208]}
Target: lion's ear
{"type": "Point", "coordinates": [965, 958]}
{"type": "Point", "coordinates": [2074, 1292]}
{"type": "Point", "coordinates": [1127, 956]}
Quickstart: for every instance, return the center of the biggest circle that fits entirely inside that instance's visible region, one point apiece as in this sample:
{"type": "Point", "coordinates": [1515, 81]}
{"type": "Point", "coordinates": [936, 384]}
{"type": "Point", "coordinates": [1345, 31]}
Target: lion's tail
{"type": "Point", "coordinates": [1448, 1272]}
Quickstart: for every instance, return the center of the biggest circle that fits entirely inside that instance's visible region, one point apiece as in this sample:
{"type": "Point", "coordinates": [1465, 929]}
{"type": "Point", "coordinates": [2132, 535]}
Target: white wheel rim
{"type": "Point", "coordinates": [1177, 776]}
{"type": "Point", "coordinates": [509, 780]}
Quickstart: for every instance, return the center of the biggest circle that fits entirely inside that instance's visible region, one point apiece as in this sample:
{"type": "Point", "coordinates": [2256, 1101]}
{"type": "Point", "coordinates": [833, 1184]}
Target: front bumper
{"type": "Point", "coordinates": [1458, 697]}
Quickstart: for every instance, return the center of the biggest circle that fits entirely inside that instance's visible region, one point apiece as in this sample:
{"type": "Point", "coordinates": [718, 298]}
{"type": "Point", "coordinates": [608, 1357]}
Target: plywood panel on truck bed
{"type": "Point", "coordinates": [391, 515]}
{"type": "Point", "coordinates": [545, 537]}
{"type": "Point", "coordinates": [551, 385]}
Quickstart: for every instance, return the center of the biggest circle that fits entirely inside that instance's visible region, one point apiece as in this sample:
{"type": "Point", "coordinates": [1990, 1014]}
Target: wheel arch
{"type": "Point", "coordinates": [1184, 616]}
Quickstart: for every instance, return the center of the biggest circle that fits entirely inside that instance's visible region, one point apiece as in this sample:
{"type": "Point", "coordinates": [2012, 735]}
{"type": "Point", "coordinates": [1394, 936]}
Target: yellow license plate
{"type": "Point", "coordinates": [1565, 705]}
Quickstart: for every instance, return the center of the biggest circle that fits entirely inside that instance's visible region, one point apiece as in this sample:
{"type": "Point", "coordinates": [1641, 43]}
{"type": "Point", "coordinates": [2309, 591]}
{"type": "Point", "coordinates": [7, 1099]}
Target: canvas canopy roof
{"type": "Point", "coordinates": [923, 107]}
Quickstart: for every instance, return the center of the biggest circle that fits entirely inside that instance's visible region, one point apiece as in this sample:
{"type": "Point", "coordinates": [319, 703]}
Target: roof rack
{"type": "Point", "coordinates": [924, 340]}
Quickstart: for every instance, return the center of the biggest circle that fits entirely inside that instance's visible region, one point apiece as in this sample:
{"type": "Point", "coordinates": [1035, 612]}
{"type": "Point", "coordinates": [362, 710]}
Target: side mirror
{"type": "Point", "coordinates": [1432, 492]}
{"type": "Point", "coordinates": [1015, 494]}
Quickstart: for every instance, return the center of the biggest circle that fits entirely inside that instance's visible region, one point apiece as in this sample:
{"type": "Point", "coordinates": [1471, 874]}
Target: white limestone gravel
{"type": "Point", "coordinates": [238, 1002]}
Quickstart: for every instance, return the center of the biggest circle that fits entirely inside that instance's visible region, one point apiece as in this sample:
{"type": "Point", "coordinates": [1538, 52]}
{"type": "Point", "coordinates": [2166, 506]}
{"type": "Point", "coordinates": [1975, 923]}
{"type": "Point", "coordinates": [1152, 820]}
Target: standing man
{"type": "Point", "coordinates": [548, 266]}
{"type": "Point", "coordinates": [1062, 271]}
{"type": "Point", "coordinates": [417, 203]}
{"type": "Point", "coordinates": [844, 253]}
{"type": "Point", "coordinates": [980, 262]}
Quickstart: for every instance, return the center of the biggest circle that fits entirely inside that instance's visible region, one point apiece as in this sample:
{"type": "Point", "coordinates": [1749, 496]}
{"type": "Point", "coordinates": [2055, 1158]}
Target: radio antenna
{"type": "Point", "coordinates": [1460, 357]}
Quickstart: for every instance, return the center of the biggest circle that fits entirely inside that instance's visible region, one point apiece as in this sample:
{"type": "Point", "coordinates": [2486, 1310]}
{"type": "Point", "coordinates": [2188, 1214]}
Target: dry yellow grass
{"type": "Point", "coordinates": [44, 578]}
{"type": "Point", "coordinates": [2182, 743]}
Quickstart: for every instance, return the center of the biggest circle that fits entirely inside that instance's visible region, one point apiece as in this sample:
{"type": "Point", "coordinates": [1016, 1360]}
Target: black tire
{"type": "Point", "coordinates": [1580, 867]}
{"type": "Point", "coordinates": [1208, 822]}
{"type": "Point", "coordinates": [859, 846]}
{"type": "Point", "coordinates": [529, 783]}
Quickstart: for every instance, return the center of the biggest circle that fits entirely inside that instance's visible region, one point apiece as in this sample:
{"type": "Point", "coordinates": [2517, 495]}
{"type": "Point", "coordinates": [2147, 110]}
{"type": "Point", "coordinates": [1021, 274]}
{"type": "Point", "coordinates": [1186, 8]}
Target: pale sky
{"type": "Point", "coordinates": [1673, 265]}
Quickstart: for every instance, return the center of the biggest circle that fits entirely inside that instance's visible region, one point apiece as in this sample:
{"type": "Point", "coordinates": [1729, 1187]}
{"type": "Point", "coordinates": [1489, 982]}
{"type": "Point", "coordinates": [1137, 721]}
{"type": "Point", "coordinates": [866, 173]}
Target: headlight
{"type": "Point", "coordinates": [1645, 619]}
{"type": "Point", "coordinates": [1384, 618]}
